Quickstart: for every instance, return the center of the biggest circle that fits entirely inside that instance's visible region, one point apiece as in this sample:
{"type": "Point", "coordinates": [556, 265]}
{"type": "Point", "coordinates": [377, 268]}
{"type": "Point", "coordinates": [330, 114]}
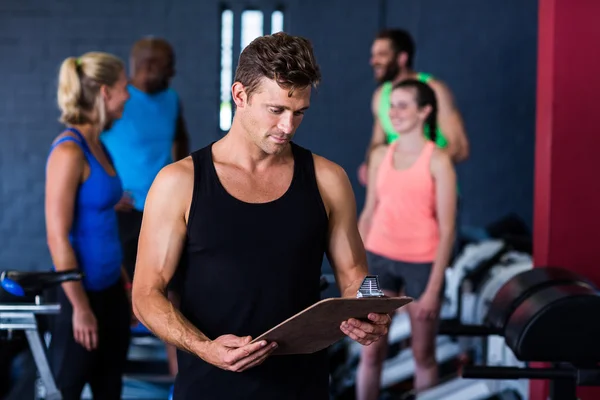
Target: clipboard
{"type": "Point", "coordinates": [318, 326]}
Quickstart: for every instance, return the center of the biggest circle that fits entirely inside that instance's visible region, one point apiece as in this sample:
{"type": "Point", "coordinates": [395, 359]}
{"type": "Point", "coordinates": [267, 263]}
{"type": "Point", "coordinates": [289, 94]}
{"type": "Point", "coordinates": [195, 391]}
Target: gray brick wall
{"type": "Point", "coordinates": [35, 36]}
{"type": "Point", "coordinates": [493, 78]}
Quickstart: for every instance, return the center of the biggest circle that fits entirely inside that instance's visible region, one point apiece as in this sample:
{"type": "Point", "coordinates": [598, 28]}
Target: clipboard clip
{"type": "Point", "coordinates": [370, 287]}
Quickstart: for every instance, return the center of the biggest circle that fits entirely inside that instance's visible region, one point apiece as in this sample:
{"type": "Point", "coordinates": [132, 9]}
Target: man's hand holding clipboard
{"type": "Point", "coordinates": [365, 332]}
{"type": "Point", "coordinates": [364, 319]}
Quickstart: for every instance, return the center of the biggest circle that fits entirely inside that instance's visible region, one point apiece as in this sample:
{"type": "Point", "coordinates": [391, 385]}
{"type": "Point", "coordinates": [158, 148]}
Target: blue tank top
{"type": "Point", "coordinates": [141, 141]}
{"type": "Point", "coordinates": [94, 233]}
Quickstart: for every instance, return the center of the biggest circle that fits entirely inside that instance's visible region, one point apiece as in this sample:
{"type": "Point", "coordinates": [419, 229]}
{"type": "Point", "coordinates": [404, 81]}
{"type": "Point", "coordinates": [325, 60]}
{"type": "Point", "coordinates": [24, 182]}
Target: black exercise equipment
{"type": "Point", "coordinates": [20, 285]}
{"type": "Point", "coordinates": [545, 315]}
{"type": "Point", "coordinates": [21, 304]}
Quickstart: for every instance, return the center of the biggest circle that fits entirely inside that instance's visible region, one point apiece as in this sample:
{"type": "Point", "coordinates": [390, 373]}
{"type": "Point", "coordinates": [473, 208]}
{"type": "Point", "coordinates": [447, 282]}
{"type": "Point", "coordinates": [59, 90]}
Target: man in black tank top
{"type": "Point", "coordinates": [253, 214]}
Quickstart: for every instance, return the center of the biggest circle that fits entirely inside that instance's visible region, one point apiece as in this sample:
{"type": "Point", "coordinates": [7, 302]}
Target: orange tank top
{"type": "Point", "coordinates": [404, 225]}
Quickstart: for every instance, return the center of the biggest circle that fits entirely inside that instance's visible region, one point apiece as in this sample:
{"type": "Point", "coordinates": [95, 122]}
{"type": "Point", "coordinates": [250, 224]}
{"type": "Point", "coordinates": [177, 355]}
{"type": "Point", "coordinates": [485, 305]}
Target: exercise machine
{"type": "Point", "coordinates": [21, 305]}
{"type": "Point", "coordinates": [546, 315]}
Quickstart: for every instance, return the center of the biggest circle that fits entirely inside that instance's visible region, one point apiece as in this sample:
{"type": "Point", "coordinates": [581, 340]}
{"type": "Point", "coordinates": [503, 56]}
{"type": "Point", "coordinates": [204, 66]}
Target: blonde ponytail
{"type": "Point", "coordinates": [69, 91]}
{"type": "Point", "coordinates": [79, 83]}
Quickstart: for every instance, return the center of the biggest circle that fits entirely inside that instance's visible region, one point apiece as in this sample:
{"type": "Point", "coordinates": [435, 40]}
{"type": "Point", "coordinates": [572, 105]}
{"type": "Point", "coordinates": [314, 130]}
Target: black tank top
{"type": "Point", "coordinates": [249, 267]}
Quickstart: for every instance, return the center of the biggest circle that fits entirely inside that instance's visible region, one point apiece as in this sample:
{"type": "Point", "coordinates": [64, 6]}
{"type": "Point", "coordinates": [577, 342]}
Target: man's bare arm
{"type": "Point", "coordinates": [346, 252]}
{"type": "Point", "coordinates": [450, 122]}
{"type": "Point", "coordinates": [161, 242]}
{"type": "Point", "coordinates": [162, 238]}
{"type": "Point", "coordinates": [345, 249]}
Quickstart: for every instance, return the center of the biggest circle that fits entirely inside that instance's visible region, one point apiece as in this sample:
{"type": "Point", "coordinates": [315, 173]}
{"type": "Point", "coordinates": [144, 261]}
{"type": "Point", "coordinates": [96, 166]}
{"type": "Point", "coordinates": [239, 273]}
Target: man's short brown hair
{"type": "Point", "coordinates": [289, 60]}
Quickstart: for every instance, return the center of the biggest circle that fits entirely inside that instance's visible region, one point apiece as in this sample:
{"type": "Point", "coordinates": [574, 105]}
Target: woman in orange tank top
{"type": "Point", "coordinates": [408, 225]}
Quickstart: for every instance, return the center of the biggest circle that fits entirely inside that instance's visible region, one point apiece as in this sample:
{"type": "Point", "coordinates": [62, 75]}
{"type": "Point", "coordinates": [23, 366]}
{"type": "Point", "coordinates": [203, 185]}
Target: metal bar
{"type": "Point", "coordinates": [17, 321]}
{"type": "Point", "coordinates": [16, 326]}
{"type": "Point", "coordinates": [39, 355]}
{"type": "Point", "coordinates": [475, 372]}
{"type": "Point", "coordinates": [37, 309]}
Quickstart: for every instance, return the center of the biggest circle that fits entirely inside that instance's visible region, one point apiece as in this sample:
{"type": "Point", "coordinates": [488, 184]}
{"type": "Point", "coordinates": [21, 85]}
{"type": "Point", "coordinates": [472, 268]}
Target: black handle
{"type": "Point", "coordinates": [452, 328]}
{"type": "Point", "coordinates": [475, 372]}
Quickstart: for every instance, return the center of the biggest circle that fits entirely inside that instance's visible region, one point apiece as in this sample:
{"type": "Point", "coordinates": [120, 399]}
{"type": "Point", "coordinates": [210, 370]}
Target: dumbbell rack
{"type": "Point", "coordinates": [22, 317]}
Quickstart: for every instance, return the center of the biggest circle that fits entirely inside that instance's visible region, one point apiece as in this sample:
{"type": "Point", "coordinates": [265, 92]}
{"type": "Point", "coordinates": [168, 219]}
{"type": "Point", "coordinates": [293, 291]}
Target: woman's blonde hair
{"type": "Point", "coordinates": [79, 82]}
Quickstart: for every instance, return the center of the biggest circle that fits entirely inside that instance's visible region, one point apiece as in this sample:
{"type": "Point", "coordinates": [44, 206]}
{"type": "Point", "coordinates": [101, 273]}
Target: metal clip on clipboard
{"type": "Point", "coordinates": [370, 288]}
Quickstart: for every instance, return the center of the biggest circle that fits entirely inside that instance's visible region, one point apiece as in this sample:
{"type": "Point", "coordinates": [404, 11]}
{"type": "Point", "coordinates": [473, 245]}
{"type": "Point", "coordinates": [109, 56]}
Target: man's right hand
{"type": "Point", "coordinates": [233, 353]}
{"type": "Point", "coordinates": [125, 204]}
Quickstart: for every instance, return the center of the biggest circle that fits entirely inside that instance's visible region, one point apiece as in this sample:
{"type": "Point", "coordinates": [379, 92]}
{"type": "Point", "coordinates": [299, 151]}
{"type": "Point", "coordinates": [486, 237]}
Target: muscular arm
{"type": "Point", "coordinates": [63, 175]}
{"type": "Point", "coordinates": [345, 248]}
{"type": "Point", "coordinates": [450, 122]}
{"type": "Point", "coordinates": [445, 185]}
{"type": "Point", "coordinates": [161, 242]}
{"type": "Point", "coordinates": [181, 141]}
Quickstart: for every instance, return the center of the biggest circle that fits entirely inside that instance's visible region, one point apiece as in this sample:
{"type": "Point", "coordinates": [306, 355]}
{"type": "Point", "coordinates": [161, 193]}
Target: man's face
{"type": "Point", "coordinates": [271, 117]}
{"type": "Point", "coordinates": [160, 69]}
{"type": "Point", "coordinates": [384, 61]}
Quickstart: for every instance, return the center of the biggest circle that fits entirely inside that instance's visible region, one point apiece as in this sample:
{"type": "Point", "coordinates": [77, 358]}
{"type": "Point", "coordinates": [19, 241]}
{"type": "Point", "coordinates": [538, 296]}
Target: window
{"type": "Point", "coordinates": [276, 21]}
{"type": "Point", "coordinates": [252, 26]}
{"type": "Point", "coordinates": [226, 113]}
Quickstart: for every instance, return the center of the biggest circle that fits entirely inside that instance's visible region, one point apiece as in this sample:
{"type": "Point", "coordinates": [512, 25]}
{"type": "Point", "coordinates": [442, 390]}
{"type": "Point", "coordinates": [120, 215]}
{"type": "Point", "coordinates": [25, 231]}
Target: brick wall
{"type": "Point", "coordinates": [35, 36]}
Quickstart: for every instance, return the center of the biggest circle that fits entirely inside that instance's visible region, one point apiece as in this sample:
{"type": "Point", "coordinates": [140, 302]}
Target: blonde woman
{"type": "Point", "coordinates": [90, 337]}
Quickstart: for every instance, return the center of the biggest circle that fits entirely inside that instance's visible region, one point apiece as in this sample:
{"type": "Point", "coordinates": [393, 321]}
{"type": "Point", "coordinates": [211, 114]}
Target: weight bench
{"type": "Point", "coordinates": [546, 315]}
{"type": "Point", "coordinates": [20, 304]}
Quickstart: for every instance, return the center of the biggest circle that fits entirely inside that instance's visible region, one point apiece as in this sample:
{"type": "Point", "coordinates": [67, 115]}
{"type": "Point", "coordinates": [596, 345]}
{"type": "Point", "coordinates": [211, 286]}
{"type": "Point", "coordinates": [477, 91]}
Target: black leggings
{"type": "Point", "coordinates": [73, 366]}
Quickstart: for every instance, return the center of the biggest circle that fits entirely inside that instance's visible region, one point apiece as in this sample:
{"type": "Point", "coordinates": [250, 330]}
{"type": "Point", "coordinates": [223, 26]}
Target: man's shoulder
{"type": "Point", "coordinates": [137, 95]}
{"type": "Point", "coordinates": [172, 188]}
{"type": "Point", "coordinates": [173, 93]}
{"type": "Point", "coordinates": [333, 182]}
{"type": "Point", "coordinates": [382, 87]}
{"type": "Point", "coordinates": [438, 85]}
{"type": "Point", "coordinates": [328, 171]}
{"type": "Point", "coordinates": [177, 173]}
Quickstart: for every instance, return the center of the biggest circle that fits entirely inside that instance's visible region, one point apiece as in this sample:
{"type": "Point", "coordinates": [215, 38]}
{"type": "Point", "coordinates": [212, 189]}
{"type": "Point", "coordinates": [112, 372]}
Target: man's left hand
{"type": "Point", "coordinates": [367, 332]}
